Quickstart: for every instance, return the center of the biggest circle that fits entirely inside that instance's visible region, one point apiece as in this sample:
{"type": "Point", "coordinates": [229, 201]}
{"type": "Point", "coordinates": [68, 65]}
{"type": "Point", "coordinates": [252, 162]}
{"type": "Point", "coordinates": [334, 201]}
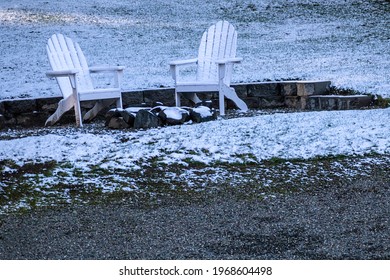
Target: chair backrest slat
{"type": "Point", "coordinates": [57, 64]}
{"type": "Point", "coordinates": [80, 63]}
{"type": "Point", "coordinates": [67, 59]}
{"type": "Point", "coordinates": [230, 49]}
{"type": "Point", "coordinates": [201, 56]}
{"type": "Point", "coordinates": [218, 42]}
{"type": "Point", "coordinates": [64, 54]}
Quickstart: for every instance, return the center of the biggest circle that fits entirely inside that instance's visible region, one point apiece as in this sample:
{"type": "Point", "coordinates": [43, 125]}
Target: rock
{"type": "Point", "coordinates": [157, 109]}
{"type": "Point", "coordinates": [146, 119]}
{"type": "Point", "coordinates": [113, 113]}
{"type": "Point", "coordinates": [2, 108]}
{"type": "Point", "coordinates": [338, 102]}
{"type": "Point", "coordinates": [305, 89]}
{"type": "Point", "coordinates": [134, 109]}
{"type": "Point", "coordinates": [295, 102]}
{"type": "Point", "coordinates": [241, 90]}
{"type": "Point", "coordinates": [288, 88]}
{"type": "Point", "coordinates": [276, 101]}
{"type": "Point", "coordinates": [10, 122]}
{"type": "Point", "coordinates": [20, 106]}
{"type": "Point", "coordinates": [31, 119]}
{"type": "Point", "coordinates": [263, 89]}
{"type": "Point", "coordinates": [202, 114]}
{"type": "Point", "coordinates": [117, 123]}
{"type": "Point", "coordinates": [164, 95]}
{"type": "Point", "coordinates": [157, 103]}
{"type": "Point", "coordinates": [127, 116]}
{"type": "Point", "coordinates": [174, 116]}
{"type": "Point", "coordinates": [206, 103]}
{"type": "Point", "coordinates": [2, 121]}
{"type": "Point", "coordinates": [132, 97]}
{"type": "Point", "coordinates": [117, 118]}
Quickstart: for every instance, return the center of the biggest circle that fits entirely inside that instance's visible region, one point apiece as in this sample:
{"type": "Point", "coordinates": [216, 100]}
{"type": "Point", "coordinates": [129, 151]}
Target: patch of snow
{"type": "Point", "coordinates": [134, 110]}
{"type": "Point", "coordinates": [203, 111]}
{"type": "Point", "coordinates": [345, 41]}
{"type": "Point", "coordinates": [175, 113]}
{"type": "Point", "coordinates": [292, 135]}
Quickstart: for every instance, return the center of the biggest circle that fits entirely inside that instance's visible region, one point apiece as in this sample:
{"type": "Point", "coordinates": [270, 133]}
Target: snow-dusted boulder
{"type": "Point", "coordinates": [202, 114]}
{"type": "Point", "coordinates": [119, 118]}
{"type": "Point", "coordinates": [117, 123]}
{"type": "Point", "coordinates": [157, 109]}
{"type": "Point", "coordinates": [174, 115]}
{"type": "Point", "coordinates": [2, 121]}
{"type": "Point", "coordinates": [206, 103]}
{"type": "Point", "coordinates": [146, 119]}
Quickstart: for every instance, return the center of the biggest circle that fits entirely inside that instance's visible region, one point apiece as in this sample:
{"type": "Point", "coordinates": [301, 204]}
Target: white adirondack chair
{"type": "Point", "coordinates": [216, 56]}
{"type": "Point", "coordinates": [73, 75]}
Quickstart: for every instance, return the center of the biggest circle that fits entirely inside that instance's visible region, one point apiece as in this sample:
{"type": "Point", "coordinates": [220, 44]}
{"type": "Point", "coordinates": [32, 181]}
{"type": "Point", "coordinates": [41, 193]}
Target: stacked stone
{"type": "Point", "coordinates": [297, 95]}
{"type": "Point", "coordinates": [290, 94]}
{"type": "Point", "coordinates": [339, 102]}
{"type": "Point", "coordinates": [300, 95]}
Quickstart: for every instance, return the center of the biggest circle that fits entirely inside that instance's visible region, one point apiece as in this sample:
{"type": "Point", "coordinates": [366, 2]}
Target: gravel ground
{"type": "Point", "coordinates": [342, 221]}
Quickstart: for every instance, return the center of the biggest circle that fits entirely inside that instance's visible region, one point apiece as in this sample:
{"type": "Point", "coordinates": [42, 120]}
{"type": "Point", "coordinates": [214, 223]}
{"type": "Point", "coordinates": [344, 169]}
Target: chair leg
{"type": "Point", "coordinates": [63, 106]}
{"type": "Point", "coordinates": [77, 109]}
{"type": "Point", "coordinates": [177, 99]}
{"type": "Point", "coordinates": [230, 93]}
{"type": "Point", "coordinates": [194, 98]}
{"type": "Point", "coordinates": [99, 105]}
{"type": "Point", "coordinates": [119, 103]}
{"type": "Point", "coordinates": [221, 103]}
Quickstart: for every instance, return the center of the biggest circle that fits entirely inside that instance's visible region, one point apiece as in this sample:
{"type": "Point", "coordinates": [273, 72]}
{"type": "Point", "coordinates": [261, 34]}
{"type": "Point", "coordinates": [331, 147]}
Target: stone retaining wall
{"type": "Point", "coordinates": [301, 95]}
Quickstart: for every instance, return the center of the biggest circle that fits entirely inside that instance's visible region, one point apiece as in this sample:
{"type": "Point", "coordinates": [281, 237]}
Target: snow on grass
{"type": "Point", "coordinates": [346, 41]}
{"type": "Point", "coordinates": [288, 136]}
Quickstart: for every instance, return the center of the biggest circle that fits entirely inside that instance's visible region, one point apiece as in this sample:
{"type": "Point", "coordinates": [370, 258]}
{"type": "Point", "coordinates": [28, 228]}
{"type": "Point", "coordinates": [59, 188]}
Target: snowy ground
{"type": "Point", "coordinates": [283, 135]}
{"type": "Point", "coordinates": [345, 41]}
{"type": "Point", "coordinates": [48, 165]}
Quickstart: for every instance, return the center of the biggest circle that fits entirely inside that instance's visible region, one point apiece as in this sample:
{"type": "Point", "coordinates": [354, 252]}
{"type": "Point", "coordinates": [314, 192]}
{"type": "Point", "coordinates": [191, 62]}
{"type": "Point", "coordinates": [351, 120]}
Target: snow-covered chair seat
{"type": "Point", "coordinates": [73, 75]}
{"type": "Point", "coordinates": [216, 56]}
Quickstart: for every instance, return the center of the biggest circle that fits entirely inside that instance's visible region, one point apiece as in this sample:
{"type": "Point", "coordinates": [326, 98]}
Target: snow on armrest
{"type": "Point", "coordinates": [229, 60]}
{"type": "Point", "coordinates": [183, 62]}
{"type": "Point", "coordinates": [106, 68]}
{"type": "Point", "coordinates": [61, 73]}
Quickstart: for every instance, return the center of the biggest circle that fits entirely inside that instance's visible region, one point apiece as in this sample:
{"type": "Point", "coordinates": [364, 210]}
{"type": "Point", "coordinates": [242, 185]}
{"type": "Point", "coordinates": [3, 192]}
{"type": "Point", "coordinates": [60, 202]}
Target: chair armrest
{"type": "Point", "coordinates": [183, 62]}
{"type": "Point", "coordinates": [70, 73]}
{"type": "Point", "coordinates": [229, 60]}
{"type": "Point", "coordinates": [223, 63]}
{"type": "Point", "coordinates": [117, 71]}
{"type": "Point", "coordinates": [106, 68]}
{"type": "Point", "coordinates": [173, 66]}
{"type": "Point", "coordinates": [62, 73]}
